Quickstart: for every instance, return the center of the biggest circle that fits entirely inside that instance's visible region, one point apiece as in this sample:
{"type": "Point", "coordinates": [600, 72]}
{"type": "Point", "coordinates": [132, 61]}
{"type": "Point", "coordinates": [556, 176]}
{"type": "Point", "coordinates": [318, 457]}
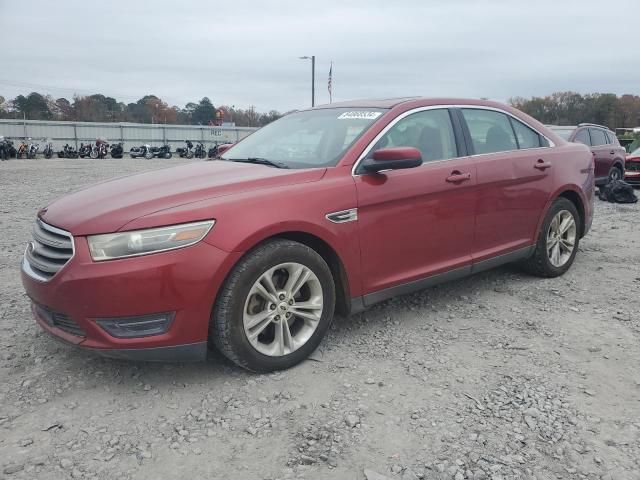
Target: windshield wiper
{"type": "Point", "coordinates": [260, 161]}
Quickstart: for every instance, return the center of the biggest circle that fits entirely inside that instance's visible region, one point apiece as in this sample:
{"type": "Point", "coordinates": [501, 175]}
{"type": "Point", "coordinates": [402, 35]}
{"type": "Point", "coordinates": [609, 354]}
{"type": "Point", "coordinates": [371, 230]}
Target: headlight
{"type": "Point", "coordinates": [143, 242]}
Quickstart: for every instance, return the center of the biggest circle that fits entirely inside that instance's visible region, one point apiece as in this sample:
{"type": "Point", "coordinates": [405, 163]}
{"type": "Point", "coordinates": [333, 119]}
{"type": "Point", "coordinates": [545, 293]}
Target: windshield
{"type": "Point", "coordinates": [635, 153]}
{"type": "Point", "coordinates": [564, 132]}
{"type": "Point", "coordinates": [312, 138]}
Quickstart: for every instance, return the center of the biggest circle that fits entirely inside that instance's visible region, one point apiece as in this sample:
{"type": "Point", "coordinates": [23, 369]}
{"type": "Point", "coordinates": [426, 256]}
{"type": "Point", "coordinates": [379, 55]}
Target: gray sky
{"type": "Point", "coordinates": [246, 53]}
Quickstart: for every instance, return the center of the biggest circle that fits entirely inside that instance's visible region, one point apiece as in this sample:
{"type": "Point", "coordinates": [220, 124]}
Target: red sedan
{"type": "Point", "coordinates": [325, 210]}
{"type": "Point", "coordinates": [632, 168]}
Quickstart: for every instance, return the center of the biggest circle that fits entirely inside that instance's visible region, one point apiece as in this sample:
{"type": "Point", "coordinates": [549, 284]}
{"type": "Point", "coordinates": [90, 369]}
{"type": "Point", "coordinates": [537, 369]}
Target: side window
{"type": "Point", "coordinates": [597, 137]}
{"type": "Point", "coordinates": [490, 131]}
{"type": "Point", "coordinates": [429, 131]}
{"type": "Point", "coordinates": [611, 138]}
{"type": "Point", "coordinates": [527, 138]}
{"type": "Point", "coordinates": [583, 137]}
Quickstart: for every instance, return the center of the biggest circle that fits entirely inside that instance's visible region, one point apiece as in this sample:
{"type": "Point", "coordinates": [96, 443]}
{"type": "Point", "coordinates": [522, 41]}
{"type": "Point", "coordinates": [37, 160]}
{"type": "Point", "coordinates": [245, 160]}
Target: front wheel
{"type": "Point", "coordinates": [168, 155]}
{"type": "Point", "coordinates": [558, 241]}
{"type": "Point", "coordinates": [189, 155]}
{"type": "Point", "coordinates": [274, 308]}
{"type": "Point", "coordinates": [148, 155]}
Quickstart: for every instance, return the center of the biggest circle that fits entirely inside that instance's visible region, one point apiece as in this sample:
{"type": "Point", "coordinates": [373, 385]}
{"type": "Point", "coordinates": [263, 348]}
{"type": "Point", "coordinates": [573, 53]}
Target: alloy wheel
{"type": "Point", "coordinates": [283, 309]}
{"type": "Point", "coordinates": [561, 238]}
{"type": "Point", "coordinates": [614, 175]}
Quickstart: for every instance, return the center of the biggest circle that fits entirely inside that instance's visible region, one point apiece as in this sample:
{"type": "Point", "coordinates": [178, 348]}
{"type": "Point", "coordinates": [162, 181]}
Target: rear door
{"type": "Point", "coordinates": [515, 178]}
{"type": "Point", "coordinates": [417, 222]}
{"type": "Point", "coordinates": [603, 153]}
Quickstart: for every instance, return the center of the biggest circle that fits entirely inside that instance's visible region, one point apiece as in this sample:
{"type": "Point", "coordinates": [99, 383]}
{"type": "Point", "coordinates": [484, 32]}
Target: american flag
{"type": "Point", "coordinates": [329, 83]}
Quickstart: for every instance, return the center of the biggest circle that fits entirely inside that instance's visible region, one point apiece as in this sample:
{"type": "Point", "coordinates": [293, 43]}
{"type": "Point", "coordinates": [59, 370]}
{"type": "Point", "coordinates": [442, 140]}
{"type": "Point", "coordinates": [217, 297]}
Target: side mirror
{"type": "Point", "coordinates": [392, 158]}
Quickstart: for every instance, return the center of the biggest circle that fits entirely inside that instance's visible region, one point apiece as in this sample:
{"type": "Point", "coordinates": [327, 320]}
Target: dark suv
{"type": "Point", "coordinates": [608, 154]}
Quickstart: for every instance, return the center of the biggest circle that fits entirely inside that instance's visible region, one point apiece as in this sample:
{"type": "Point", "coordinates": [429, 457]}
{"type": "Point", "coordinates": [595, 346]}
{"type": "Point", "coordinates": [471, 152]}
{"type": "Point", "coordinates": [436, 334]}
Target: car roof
{"type": "Point", "coordinates": [369, 103]}
{"type": "Point", "coordinates": [410, 101]}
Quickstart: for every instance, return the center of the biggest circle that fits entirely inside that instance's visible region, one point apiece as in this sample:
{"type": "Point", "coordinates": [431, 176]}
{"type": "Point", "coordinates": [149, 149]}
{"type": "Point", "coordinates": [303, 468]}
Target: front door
{"type": "Point", "coordinates": [418, 222]}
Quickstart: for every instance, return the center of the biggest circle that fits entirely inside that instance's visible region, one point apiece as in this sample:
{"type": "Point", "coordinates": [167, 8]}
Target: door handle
{"type": "Point", "coordinates": [457, 177]}
{"type": "Point", "coordinates": [612, 152]}
{"type": "Point", "coordinates": [542, 165]}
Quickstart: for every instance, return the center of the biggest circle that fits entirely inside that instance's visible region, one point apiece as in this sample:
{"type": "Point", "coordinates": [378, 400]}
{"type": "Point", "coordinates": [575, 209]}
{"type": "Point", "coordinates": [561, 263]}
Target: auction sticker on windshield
{"type": "Point", "coordinates": [359, 115]}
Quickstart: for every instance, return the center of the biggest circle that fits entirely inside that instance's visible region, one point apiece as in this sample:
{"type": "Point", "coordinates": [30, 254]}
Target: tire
{"type": "Point", "coordinates": [227, 327]}
{"type": "Point", "coordinates": [540, 263]}
{"type": "Point", "coordinates": [189, 155]}
{"type": "Point", "coordinates": [93, 154]}
{"type": "Point", "coordinates": [148, 155]}
{"type": "Point", "coordinates": [615, 173]}
{"type": "Point", "coordinates": [168, 155]}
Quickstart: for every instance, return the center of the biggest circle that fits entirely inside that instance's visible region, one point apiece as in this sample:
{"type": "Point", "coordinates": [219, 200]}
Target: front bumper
{"type": "Point", "coordinates": [184, 281]}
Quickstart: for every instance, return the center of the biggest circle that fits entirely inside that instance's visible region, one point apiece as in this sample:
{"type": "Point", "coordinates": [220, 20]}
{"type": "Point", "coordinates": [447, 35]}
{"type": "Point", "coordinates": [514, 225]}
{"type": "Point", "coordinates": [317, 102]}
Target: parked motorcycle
{"type": "Point", "coordinates": [32, 150]}
{"type": "Point", "coordinates": [4, 149]}
{"type": "Point", "coordinates": [142, 151]}
{"type": "Point", "coordinates": [213, 152]}
{"type": "Point", "coordinates": [117, 150]}
{"type": "Point", "coordinates": [85, 150]}
{"type": "Point", "coordinates": [162, 152]}
{"type": "Point", "coordinates": [48, 150]}
{"type": "Point", "coordinates": [68, 152]}
{"type": "Point", "coordinates": [99, 150]}
{"type": "Point", "coordinates": [186, 152]}
{"type": "Point", "coordinates": [200, 151]}
{"type": "Point", "coordinates": [23, 149]}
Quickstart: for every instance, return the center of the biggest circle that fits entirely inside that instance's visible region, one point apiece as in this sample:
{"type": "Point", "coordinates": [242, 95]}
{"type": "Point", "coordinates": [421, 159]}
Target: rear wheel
{"type": "Point", "coordinates": [274, 308]}
{"type": "Point", "coordinates": [558, 241]}
{"type": "Point", "coordinates": [614, 174]}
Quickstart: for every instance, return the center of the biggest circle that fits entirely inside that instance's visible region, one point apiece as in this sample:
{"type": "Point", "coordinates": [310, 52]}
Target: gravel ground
{"type": "Point", "coordinates": [498, 376]}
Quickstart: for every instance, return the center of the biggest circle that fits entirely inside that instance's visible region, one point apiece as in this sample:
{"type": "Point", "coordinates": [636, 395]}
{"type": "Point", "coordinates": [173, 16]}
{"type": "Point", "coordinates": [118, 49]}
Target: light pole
{"type": "Point", "coordinates": [313, 77]}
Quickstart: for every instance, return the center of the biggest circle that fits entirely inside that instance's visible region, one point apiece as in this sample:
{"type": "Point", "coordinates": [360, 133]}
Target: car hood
{"type": "Point", "coordinates": [108, 206]}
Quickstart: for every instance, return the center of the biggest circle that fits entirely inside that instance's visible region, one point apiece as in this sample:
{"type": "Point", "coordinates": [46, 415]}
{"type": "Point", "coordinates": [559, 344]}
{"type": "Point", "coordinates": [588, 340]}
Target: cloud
{"type": "Point", "coordinates": [246, 53]}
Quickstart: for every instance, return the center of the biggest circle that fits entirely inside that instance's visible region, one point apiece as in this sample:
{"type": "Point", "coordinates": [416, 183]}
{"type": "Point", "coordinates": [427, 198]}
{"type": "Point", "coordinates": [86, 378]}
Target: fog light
{"type": "Point", "coordinates": [133, 327]}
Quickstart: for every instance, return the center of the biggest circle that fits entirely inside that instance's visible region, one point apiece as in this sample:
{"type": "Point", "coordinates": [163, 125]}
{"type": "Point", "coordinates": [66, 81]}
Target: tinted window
{"type": "Point", "coordinates": [430, 132]}
{"type": "Point", "coordinates": [527, 138]}
{"type": "Point", "coordinates": [597, 137]}
{"type": "Point", "coordinates": [490, 131]}
{"type": "Point", "coordinates": [611, 138]}
{"type": "Point", "coordinates": [583, 137]}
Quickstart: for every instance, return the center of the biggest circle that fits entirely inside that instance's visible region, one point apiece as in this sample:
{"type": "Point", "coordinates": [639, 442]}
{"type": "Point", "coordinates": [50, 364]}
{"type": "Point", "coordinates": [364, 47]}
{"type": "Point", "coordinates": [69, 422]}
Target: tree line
{"type": "Point", "coordinates": [149, 109]}
{"type": "Point", "coordinates": [560, 108]}
{"type": "Point", "coordinates": [571, 108]}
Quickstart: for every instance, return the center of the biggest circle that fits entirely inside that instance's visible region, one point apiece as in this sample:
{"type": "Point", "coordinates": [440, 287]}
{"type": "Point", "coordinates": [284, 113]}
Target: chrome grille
{"type": "Point", "coordinates": [59, 320]}
{"type": "Point", "coordinates": [49, 251]}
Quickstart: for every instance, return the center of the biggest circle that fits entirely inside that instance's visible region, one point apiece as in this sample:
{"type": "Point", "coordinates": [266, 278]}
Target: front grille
{"type": "Point", "coordinates": [59, 320]}
{"type": "Point", "coordinates": [49, 251]}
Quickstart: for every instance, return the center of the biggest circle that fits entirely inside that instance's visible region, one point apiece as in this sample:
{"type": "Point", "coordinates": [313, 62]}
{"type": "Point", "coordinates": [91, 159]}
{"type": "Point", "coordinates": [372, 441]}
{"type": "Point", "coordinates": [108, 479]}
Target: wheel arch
{"type": "Point", "coordinates": [323, 248]}
{"type": "Point", "coordinates": [574, 198]}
